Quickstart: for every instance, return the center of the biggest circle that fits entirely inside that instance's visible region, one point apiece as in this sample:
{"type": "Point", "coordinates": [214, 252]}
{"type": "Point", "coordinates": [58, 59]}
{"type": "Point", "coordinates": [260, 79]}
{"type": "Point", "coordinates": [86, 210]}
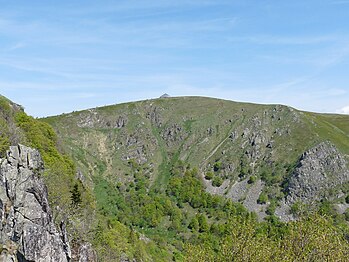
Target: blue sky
{"type": "Point", "coordinates": [60, 56]}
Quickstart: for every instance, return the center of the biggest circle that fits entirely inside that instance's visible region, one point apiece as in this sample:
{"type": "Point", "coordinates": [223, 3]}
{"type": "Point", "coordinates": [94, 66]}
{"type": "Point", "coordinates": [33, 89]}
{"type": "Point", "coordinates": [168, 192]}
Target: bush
{"type": "Point", "coordinates": [346, 215]}
{"type": "Point", "coordinates": [252, 179]}
{"type": "Point", "coordinates": [217, 181]}
{"type": "Point", "coordinates": [217, 166]}
{"type": "Point", "coordinates": [209, 175]}
{"type": "Point", "coordinates": [194, 224]}
{"type": "Point", "coordinates": [347, 199]}
{"type": "Point", "coordinates": [271, 208]}
{"type": "Point", "coordinates": [262, 199]}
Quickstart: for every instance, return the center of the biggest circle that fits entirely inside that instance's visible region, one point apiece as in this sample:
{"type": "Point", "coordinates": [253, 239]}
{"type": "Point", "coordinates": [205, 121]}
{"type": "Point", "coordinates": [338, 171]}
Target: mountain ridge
{"type": "Point", "coordinates": [256, 131]}
{"type": "Point", "coordinates": [181, 179]}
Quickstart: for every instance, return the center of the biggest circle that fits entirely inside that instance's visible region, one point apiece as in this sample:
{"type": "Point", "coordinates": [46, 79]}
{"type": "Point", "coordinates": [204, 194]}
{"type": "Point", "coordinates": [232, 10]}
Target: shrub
{"type": "Point", "coordinates": [347, 199]}
{"type": "Point", "coordinates": [262, 199]}
{"type": "Point", "coordinates": [346, 215]}
{"type": "Point", "coordinates": [252, 179]}
{"type": "Point", "coordinates": [217, 181]}
{"type": "Point", "coordinates": [194, 224]}
{"type": "Point", "coordinates": [217, 166]}
{"type": "Point", "coordinates": [209, 175]}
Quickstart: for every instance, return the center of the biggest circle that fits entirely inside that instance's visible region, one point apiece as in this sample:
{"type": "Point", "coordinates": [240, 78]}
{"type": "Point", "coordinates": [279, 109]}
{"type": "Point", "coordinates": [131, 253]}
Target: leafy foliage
{"type": "Point", "coordinates": [59, 168]}
{"type": "Point", "coordinates": [313, 238]}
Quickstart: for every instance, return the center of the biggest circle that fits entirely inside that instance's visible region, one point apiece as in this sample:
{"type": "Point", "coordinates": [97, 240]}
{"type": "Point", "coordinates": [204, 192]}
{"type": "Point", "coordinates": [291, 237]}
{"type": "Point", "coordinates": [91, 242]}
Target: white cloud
{"type": "Point", "coordinates": [344, 110]}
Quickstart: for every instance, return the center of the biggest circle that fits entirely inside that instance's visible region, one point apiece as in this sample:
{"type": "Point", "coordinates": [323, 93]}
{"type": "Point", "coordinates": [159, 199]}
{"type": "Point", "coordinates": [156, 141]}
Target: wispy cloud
{"type": "Point", "coordinates": [129, 49]}
{"type": "Point", "coordinates": [285, 40]}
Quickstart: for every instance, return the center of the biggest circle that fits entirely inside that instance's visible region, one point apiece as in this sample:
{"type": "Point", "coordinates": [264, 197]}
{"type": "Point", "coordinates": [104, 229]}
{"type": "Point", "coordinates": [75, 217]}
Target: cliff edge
{"type": "Point", "coordinates": [27, 232]}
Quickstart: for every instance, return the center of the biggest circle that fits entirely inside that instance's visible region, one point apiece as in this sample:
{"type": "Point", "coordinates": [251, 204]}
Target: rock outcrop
{"type": "Point", "coordinates": [86, 253]}
{"type": "Point", "coordinates": [27, 232]}
{"type": "Point", "coordinates": [319, 169]}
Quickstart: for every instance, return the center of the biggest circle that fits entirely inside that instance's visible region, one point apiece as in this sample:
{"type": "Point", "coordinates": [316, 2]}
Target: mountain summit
{"type": "Point", "coordinates": [165, 96]}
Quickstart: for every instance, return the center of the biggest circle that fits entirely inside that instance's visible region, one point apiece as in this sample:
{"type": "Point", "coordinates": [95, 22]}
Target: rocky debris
{"type": "Point", "coordinates": [173, 134]}
{"type": "Point", "coordinates": [238, 190]}
{"type": "Point", "coordinates": [138, 153]}
{"type": "Point", "coordinates": [132, 140]}
{"type": "Point", "coordinates": [282, 113]}
{"type": "Point", "coordinates": [91, 119]}
{"type": "Point", "coordinates": [252, 196]}
{"type": "Point", "coordinates": [135, 149]}
{"type": "Point", "coordinates": [234, 135]}
{"type": "Point", "coordinates": [245, 133]}
{"type": "Point", "coordinates": [229, 168]}
{"type": "Point", "coordinates": [86, 253]}
{"type": "Point", "coordinates": [88, 120]}
{"type": "Point", "coordinates": [27, 232]}
{"type": "Point", "coordinates": [257, 138]}
{"type": "Point", "coordinates": [17, 107]}
{"type": "Point", "coordinates": [121, 122]}
{"type": "Point", "coordinates": [254, 144]}
{"type": "Point", "coordinates": [154, 116]}
{"type": "Point", "coordinates": [319, 169]}
{"type": "Point", "coordinates": [283, 212]}
{"type": "Point", "coordinates": [341, 208]}
{"type": "Point", "coordinates": [80, 176]}
{"type": "Point", "coordinates": [256, 122]}
{"type": "Point", "coordinates": [124, 258]}
{"type": "Point", "coordinates": [209, 131]}
{"type": "Point", "coordinates": [270, 144]}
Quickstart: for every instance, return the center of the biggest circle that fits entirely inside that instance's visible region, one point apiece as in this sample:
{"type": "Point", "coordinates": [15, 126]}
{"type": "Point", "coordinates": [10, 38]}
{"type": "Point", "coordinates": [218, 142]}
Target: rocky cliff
{"type": "Point", "coordinates": [321, 174]}
{"type": "Point", "coordinates": [319, 169]}
{"type": "Point", "coordinates": [27, 232]}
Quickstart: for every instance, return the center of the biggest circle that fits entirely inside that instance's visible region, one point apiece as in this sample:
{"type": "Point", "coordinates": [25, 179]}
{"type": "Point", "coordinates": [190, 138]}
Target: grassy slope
{"type": "Point", "coordinates": [205, 126]}
{"type": "Point", "coordinates": [195, 115]}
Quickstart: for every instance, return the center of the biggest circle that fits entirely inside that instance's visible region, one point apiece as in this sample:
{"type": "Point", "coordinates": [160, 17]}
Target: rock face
{"type": "Point", "coordinates": [319, 169]}
{"type": "Point", "coordinates": [27, 232]}
{"type": "Point", "coordinates": [86, 253]}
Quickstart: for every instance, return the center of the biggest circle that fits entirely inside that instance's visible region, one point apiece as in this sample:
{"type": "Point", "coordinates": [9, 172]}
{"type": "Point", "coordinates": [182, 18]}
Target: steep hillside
{"type": "Point", "coordinates": [156, 166]}
{"type": "Point", "coordinates": [20, 182]}
{"type": "Point", "coordinates": [245, 152]}
{"type": "Point", "coordinates": [175, 179]}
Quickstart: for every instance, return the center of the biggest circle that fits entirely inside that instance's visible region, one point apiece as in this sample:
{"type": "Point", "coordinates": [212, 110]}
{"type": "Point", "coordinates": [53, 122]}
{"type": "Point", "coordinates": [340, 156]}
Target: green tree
{"type": "Point", "coordinates": [76, 195]}
{"type": "Point", "coordinates": [203, 225]}
{"type": "Point", "coordinates": [194, 224]}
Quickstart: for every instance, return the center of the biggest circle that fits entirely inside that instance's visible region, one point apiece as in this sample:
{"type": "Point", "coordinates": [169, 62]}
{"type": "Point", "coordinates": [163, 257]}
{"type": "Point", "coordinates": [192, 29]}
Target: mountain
{"type": "Point", "coordinates": [272, 159]}
{"type": "Point", "coordinates": [192, 179]}
{"type": "Point", "coordinates": [243, 151]}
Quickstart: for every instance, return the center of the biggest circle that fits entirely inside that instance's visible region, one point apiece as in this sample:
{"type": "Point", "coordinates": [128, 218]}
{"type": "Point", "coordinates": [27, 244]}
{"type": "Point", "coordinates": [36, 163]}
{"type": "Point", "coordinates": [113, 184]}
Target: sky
{"type": "Point", "coordinates": [61, 56]}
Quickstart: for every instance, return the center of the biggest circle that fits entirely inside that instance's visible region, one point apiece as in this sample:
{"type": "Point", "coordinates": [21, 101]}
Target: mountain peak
{"type": "Point", "coordinates": [165, 96]}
